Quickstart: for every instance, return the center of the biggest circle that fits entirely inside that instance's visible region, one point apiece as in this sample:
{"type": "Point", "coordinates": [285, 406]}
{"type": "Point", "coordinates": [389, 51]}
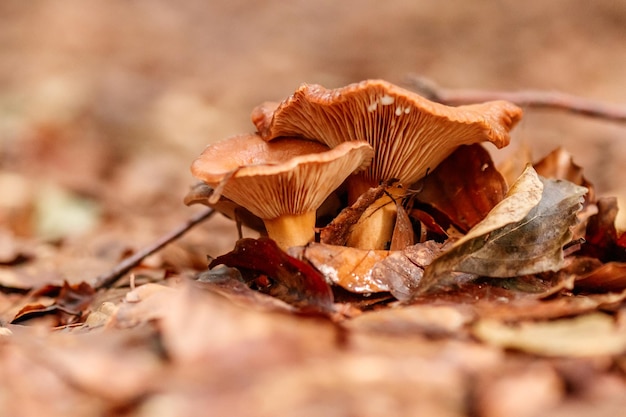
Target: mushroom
{"type": "Point", "coordinates": [283, 182]}
{"type": "Point", "coordinates": [410, 135]}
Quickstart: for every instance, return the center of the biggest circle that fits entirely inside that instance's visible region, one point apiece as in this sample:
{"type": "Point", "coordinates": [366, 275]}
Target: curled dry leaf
{"type": "Point", "coordinates": [464, 187]}
{"type": "Point", "coordinates": [283, 276]}
{"type": "Point", "coordinates": [70, 303]}
{"type": "Point", "coordinates": [368, 271]}
{"type": "Point", "coordinates": [524, 234]}
{"type": "Point", "coordinates": [350, 268]}
{"type": "Point", "coordinates": [607, 277]}
{"type": "Point", "coordinates": [338, 231]}
{"type": "Point", "coordinates": [602, 240]}
{"type": "Point", "coordinates": [403, 235]}
{"type": "Point", "coordinates": [559, 164]}
{"type": "Point", "coordinates": [590, 335]}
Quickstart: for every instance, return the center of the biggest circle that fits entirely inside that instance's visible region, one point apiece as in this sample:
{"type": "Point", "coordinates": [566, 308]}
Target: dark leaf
{"type": "Point", "coordinates": [338, 231]}
{"type": "Point", "coordinates": [72, 300]}
{"type": "Point", "coordinates": [608, 277]}
{"type": "Point", "coordinates": [371, 271]}
{"type": "Point", "coordinates": [559, 165]}
{"type": "Point", "coordinates": [281, 275]}
{"type": "Point", "coordinates": [403, 235]}
{"type": "Point", "coordinates": [464, 187]}
{"type": "Point", "coordinates": [602, 241]}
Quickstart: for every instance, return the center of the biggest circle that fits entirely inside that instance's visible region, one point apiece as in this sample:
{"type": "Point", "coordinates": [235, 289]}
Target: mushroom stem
{"type": "Point", "coordinates": [291, 229]}
{"type": "Point", "coordinates": [374, 229]}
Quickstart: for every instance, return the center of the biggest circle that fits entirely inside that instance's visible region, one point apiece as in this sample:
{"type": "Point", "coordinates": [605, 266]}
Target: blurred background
{"type": "Point", "coordinates": [104, 104]}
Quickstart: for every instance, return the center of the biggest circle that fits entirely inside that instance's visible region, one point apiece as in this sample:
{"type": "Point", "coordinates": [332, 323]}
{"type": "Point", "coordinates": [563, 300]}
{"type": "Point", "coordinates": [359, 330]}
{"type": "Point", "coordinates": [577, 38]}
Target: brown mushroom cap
{"type": "Point", "coordinates": [409, 133]}
{"type": "Point", "coordinates": [285, 176]}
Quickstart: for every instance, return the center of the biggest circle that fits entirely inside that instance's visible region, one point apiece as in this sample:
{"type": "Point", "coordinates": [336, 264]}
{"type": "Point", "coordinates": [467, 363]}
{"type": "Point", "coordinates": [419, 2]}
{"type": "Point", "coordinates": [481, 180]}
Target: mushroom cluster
{"type": "Point", "coordinates": [364, 133]}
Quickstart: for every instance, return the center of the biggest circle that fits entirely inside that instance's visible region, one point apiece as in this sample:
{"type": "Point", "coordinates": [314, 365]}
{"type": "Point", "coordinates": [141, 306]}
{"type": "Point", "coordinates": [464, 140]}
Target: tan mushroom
{"type": "Point", "coordinates": [410, 134]}
{"type": "Point", "coordinates": [282, 182]}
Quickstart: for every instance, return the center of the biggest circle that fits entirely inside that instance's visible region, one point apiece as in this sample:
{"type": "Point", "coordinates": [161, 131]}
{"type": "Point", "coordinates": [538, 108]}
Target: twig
{"type": "Point", "coordinates": [108, 279]}
{"type": "Point", "coordinates": [527, 98]}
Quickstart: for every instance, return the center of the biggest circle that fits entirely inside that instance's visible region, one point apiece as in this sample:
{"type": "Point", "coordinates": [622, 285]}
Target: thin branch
{"type": "Point", "coordinates": [108, 279]}
{"type": "Point", "coordinates": [527, 98]}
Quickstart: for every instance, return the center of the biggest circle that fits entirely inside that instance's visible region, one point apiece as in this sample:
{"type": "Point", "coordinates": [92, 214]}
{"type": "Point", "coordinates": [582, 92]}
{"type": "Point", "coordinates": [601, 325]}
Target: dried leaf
{"type": "Point", "coordinates": [602, 241]}
{"type": "Point", "coordinates": [590, 335]}
{"type": "Point", "coordinates": [402, 271]}
{"type": "Point", "coordinates": [338, 231]}
{"type": "Point", "coordinates": [290, 279]}
{"type": "Point", "coordinates": [369, 271]}
{"type": "Point", "coordinates": [229, 283]}
{"type": "Point", "coordinates": [559, 164]}
{"type": "Point", "coordinates": [464, 187]}
{"type": "Point", "coordinates": [71, 300]}
{"type": "Point", "coordinates": [403, 235]}
{"type": "Point", "coordinates": [350, 268]}
{"type": "Point", "coordinates": [428, 225]}
{"type": "Point", "coordinates": [524, 234]}
{"type": "Point", "coordinates": [607, 277]}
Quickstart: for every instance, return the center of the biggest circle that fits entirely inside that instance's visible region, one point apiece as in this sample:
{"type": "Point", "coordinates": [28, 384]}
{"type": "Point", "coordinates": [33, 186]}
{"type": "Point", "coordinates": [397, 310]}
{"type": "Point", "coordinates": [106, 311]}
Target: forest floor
{"type": "Point", "coordinates": [104, 106]}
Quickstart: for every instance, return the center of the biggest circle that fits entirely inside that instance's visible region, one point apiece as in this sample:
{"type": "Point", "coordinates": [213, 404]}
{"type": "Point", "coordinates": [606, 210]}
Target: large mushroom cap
{"type": "Point", "coordinates": [409, 133]}
{"type": "Point", "coordinates": [285, 176]}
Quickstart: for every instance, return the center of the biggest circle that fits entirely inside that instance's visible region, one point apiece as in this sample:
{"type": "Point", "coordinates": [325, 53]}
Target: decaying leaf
{"type": "Point", "coordinates": [464, 187]}
{"type": "Point", "coordinates": [524, 234]}
{"type": "Point", "coordinates": [229, 283]}
{"type": "Point", "coordinates": [369, 271]}
{"type": "Point", "coordinates": [589, 335]}
{"type": "Point", "coordinates": [71, 300]}
{"type": "Point", "coordinates": [403, 235]}
{"type": "Point", "coordinates": [602, 240]}
{"type": "Point", "coordinates": [607, 277]}
{"type": "Point", "coordinates": [350, 268]}
{"type": "Point", "coordinates": [282, 276]}
{"type": "Point", "coordinates": [559, 164]}
{"type": "Point", "coordinates": [338, 231]}
{"type": "Point", "coordinates": [403, 270]}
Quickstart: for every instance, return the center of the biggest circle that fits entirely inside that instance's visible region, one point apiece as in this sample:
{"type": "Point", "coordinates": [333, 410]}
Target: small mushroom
{"type": "Point", "coordinates": [282, 182]}
{"type": "Point", "coordinates": [410, 135]}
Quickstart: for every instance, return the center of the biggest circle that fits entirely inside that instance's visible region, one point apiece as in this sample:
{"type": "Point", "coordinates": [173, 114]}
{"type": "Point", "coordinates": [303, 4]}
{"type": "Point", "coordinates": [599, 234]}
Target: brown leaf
{"type": "Point", "coordinates": [350, 268]}
{"type": "Point", "coordinates": [524, 234]}
{"type": "Point", "coordinates": [290, 279]}
{"type": "Point", "coordinates": [428, 224]}
{"type": "Point", "coordinates": [403, 234]}
{"type": "Point", "coordinates": [559, 165]}
{"type": "Point", "coordinates": [602, 241]}
{"type": "Point", "coordinates": [402, 271]}
{"type": "Point", "coordinates": [589, 335]}
{"type": "Point", "coordinates": [229, 283]}
{"type": "Point", "coordinates": [71, 300]}
{"type": "Point", "coordinates": [369, 271]}
{"type": "Point", "coordinates": [338, 231]}
{"type": "Point", "coordinates": [607, 277]}
{"type": "Point", "coordinates": [464, 187]}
